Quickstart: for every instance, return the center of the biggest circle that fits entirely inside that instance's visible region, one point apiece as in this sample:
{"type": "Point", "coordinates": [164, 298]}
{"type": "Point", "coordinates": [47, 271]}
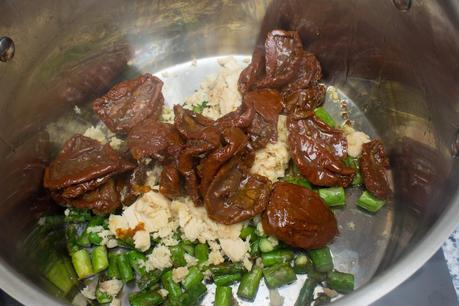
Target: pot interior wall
{"type": "Point", "coordinates": [399, 66]}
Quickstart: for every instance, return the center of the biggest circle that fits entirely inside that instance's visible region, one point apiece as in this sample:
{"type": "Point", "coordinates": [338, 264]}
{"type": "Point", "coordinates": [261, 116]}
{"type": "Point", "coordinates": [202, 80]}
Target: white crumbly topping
{"type": "Point", "coordinates": [273, 240]}
{"type": "Point", "coordinates": [115, 302]}
{"type": "Point", "coordinates": [90, 290]}
{"type": "Point", "coordinates": [194, 62]}
{"type": "Point", "coordinates": [196, 225]}
{"type": "Point", "coordinates": [332, 94]}
{"type": "Point", "coordinates": [215, 255]}
{"type": "Point", "coordinates": [77, 110]}
{"type": "Point", "coordinates": [111, 287]}
{"type": "Point", "coordinates": [248, 264]}
{"type": "Point", "coordinates": [169, 241]}
{"type": "Point", "coordinates": [79, 300]}
{"type": "Point", "coordinates": [351, 226]}
{"type": "Point", "coordinates": [272, 161]}
{"type": "Point", "coordinates": [116, 143]}
{"type": "Point", "coordinates": [260, 229]}
{"type": "Point", "coordinates": [142, 240]}
{"type": "Point", "coordinates": [190, 260]}
{"type": "Point", "coordinates": [330, 292]}
{"type": "Point", "coordinates": [94, 229]}
{"type": "Point", "coordinates": [179, 274]}
{"type": "Point", "coordinates": [163, 292]}
{"type": "Point", "coordinates": [96, 134]}
{"type": "Point", "coordinates": [160, 258]}
{"type": "Point", "coordinates": [235, 249]}
{"type": "Point", "coordinates": [112, 243]}
{"type": "Point", "coordinates": [153, 176]}
{"type": "Point", "coordinates": [167, 115]}
{"type": "Point", "coordinates": [102, 134]}
{"type": "Point", "coordinates": [275, 299]}
{"type": "Point", "coordinates": [355, 140]}
{"type": "Point", "coordinates": [219, 91]}
{"type": "Point", "coordinates": [41, 221]}
{"type": "Point", "coordinates": [207, 274]}
{"type": "Point", "coordinates": [106, 236]}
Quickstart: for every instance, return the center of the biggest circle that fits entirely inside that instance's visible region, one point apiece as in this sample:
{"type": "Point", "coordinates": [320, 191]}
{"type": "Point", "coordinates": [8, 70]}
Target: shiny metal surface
{"type": "Point", "coordinates": [398, 66]}
{"type": "Point", "coordinates": [6, 49]}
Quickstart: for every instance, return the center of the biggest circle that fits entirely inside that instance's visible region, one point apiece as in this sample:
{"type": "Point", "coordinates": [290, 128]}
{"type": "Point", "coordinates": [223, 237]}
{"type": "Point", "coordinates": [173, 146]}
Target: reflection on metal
{"type": "Point", "coordinates": [6, 49]}
{"type": "Point", "coordinates": [402, 5]}
{"type": "Point", "coordinates": [455, 146]}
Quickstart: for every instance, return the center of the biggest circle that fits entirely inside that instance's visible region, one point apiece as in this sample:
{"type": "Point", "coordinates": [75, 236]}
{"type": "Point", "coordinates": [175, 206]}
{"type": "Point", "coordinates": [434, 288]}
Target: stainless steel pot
{"type": "Point", "coordinates": [396, 59]}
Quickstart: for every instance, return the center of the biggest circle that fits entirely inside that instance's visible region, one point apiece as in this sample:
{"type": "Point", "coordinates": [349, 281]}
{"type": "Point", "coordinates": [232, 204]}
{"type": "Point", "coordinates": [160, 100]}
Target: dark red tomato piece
{"type": "Point", "coordinates": [83, 159]}
{"type": "Point", "coordinates": [235, 141]}
{"type": "Point", "coordinates": [303, 99]}
{"type": "Point", "coordinates": [154, 139]}
{"type": "Point", "coordinates": [253, 72]}
{"type": "Point", "coordinates": [309, 73]}
{"type": "Point", "coordinates": [78, 189]}
{"type": "Point", "coordinates": [234, 195]}
{"type": "Point", "coordinates": [267, 104]}
{"type": "Point", "coordinates": [130, 102]}
{"type": "Point", "coordinates": [373, 165]}
{"type": "Point", "coordinates": [318, 149]}
{"type": "Point", "coordinates": [298, 217]}
{"type": "Point", "coordinates": [103, 200]}
{"type": "Point", "coordinates": [283, 51]}
{"type": "Point", "coordinates": [186, 166]}
{"type": "Point", "coordinates": [169, 182]}
{"type": "Point", "coordinates": [242, 118]}
{"type": "Point", "coordinates": [133, 184]}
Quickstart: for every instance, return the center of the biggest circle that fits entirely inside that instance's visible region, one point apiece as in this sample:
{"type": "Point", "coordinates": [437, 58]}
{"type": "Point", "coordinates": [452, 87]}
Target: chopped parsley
{"type": "Point", "coordinates": [199, 108]}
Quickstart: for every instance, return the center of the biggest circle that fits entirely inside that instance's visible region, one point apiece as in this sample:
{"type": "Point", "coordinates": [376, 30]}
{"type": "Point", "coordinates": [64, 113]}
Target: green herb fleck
{"type": "Point", "coordinates": [199, 108]}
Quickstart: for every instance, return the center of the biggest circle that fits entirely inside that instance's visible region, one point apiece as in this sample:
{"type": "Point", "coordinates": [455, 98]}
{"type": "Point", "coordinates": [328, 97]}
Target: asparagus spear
{"type": "Point", "coordinates": [279, 275]}
{"type": "Point", "coordinates": [82, 263]}
{"type": "Point", "coordinates": [193, 295]}
{"type": "Point", "coordinates": [194, 276]}
{"type": "Point", "coordinates": [178, 256]}
{"type": "Point", "coordinates": [306, 294]}
{"type": "Point", "coordinates": [113, 271]}
{"type": "Point", "coordinates": [321, 299]}
{"type": "Point", "coordinates": [172, 287]}
{"type": "Point", "coordinates": [201, 252]}
{"type": "Point", "coordinates": [341, 282]}
{"type": "Point", "coordinates": [124, 268]}
{"type": "Point", "coordinates": [103, 297]}
{"type": "Point", "coordinates": [333, 196]}
{"type": "Point", "coordinates": [71, 235]}
{"type": "Point", "coordinates": [145, 298]}
{"type": "Point", "coordinates": [246, 232]}
{"type": "Point", "coordinates": [149, 279]}
{"type": "Point", "coordinates": [324, 116]}
{"type": "Point", "coordinates": [227, 268]}
{"type": "Point", "coordinates": [302, 264]}
{"type": "Point", "coordinates": [227, 279]}
{"type": "Point", "coordinates": [137, 261]}
{"type": "Point", "coordinates": [99, 259]}
{"type": "Point", "coordinates": [223, 296]}
{"type": "Point", "coordinates": [277, 256]}
{"type": "Point", "coordinates": [322, 259]}
{"type": "Point", "coordinates": [74, 215]}
{"type": "Point", "coordinates": [250, 282]}
{"type": "Point", "coordinates": [265, 245]}
{"type": "Point", "coordinates": [297, 180]}
{"type": "Point", "coordinates": [369, 202]}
